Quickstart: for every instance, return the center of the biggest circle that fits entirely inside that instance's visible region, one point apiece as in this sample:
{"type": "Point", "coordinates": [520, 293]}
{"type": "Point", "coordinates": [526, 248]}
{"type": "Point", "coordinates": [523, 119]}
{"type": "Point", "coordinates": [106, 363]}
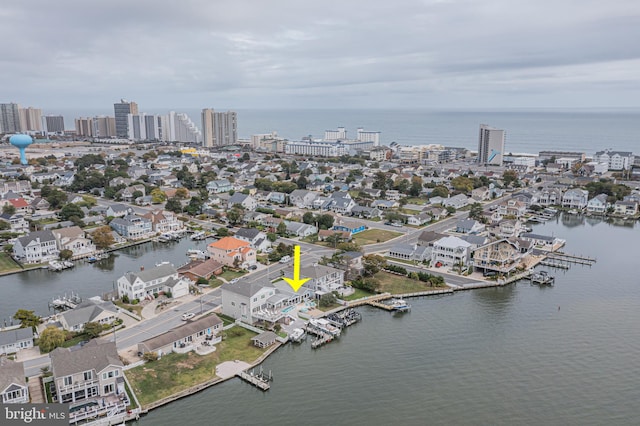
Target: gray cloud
{"type": "Point", "coordinates": [289, 53]}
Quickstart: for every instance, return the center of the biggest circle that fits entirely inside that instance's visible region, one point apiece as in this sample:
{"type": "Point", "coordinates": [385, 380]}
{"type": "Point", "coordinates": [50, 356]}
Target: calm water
{"type": "Point", "coordinates": [519, 355]}
{"type": "Point", "coordinates": [527, 131]}
{"type": "Point", "coordinates": [33, 290]}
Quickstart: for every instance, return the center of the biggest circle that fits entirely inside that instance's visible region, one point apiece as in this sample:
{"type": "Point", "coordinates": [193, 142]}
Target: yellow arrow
{"type": "Point", "coordinates": [296, 282]}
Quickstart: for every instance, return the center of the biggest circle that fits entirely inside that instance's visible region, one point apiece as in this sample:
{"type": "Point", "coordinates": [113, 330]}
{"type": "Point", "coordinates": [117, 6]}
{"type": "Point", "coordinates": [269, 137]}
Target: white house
{"type": "Point", "coordinates": [457, 201]}
{"type": "Point", "coordinates": [73, 238]}
{"type": "Point", "coordinates": [13, 340]}
{"type": "Point", "coordinates": [257, 239]}
{"type": "Point", "coordinates": [98, 311]}
{"type": "Point", "coordinates": [302, 198]}
{"type": "Point", "coordinates": [37, 247]}
{"type": "Point", "coordinates": [13, 385]}
{"type": "Point", "coordinates": [598, 204]}
{"type": "Point", "coordinates": [450, 251]}
{"type": "Point", "coordinates": [143, 284]}
{"type": "Point", "coordinates": [246, 201]}
{"type": "Point", "coordinates": [616, 160]}
{"type": "Point", "coordinates": [625, 208]}
{"type": "Point", "coordinates": [246, 301]}
{"type": "Point", "coordinates": [575, 198]}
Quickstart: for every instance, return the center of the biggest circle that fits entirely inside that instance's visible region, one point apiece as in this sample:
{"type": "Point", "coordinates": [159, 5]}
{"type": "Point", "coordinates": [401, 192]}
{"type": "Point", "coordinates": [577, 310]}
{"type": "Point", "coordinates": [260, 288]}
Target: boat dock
{"type": "Point", "coordinates": [571, 258]}
{"type": "Point", "coordinates": [542, 278]}
{"type": "Point", "coordinates": [260, 380]}
{"type": "Point", "coordinates": [552, 263]}
{"type": "Point", "coordinates": [64, 303]}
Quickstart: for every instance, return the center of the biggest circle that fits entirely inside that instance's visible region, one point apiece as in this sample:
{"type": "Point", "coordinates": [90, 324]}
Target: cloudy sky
{"type": "Point", "coordinates": [321, 54]}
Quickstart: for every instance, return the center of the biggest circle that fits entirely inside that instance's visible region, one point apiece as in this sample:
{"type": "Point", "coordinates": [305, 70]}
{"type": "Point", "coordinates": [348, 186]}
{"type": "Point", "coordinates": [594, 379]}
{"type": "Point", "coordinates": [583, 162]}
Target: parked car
{"type": "Point", "coordinates": [253, 267]}
{"type": "Point", "coordinates": [188, 316]}
{"type": "Point", "coordinates": [285, 259]}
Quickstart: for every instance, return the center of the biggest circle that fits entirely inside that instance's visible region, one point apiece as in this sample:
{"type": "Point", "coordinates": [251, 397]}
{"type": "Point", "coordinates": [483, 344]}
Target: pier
{"type": "Point", "coordinates": [552, 263]}
{"type": "Point", "coordinates": [571, 258]}
{"type": "Point", "coordinates": [542, 278]}
{"type": "Point", "coordinates": [260, 380]}
{"type": "Point", "coordinates": [64, 303]}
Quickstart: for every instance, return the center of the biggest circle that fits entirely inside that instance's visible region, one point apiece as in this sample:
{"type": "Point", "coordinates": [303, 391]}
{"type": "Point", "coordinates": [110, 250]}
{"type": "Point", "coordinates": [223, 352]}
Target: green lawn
{"type": "Point", "coordinates": [373, 236]}
{"type": "Point", "coordinates": [215, 283]}
{"type": "Point", "coordinates": [416, 200]}
{"type": "Point", "coordinates": [359, 294]}
{"type": "Point", "coordinates": [176, 372]}
{"type": "Point", "coordinates": [7, 264]}
{"type": "Point", "coordinates": [136, 309]}
{"type": "Point", "coordinates": [398, 284]}
{"type": "Point", "coordinates": [228, 274]}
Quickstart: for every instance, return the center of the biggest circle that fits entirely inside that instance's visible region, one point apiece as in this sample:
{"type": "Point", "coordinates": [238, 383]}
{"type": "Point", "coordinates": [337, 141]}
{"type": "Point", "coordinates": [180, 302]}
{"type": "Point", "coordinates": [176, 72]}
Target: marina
{"type": "Point", "coordinates": [260, 380]}
{"type": "Point", "coordinates": [60, 265]}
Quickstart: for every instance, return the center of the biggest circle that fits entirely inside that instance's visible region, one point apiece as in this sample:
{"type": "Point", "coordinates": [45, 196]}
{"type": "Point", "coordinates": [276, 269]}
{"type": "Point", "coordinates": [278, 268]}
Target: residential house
{"type": "Point", "coordinates": [132, 227]}
{"type": "Point", "coordinates": [501, 256]}
{"type": "Point", "coordinates": [20, 205]}
{"type": "Point", "coordinates": [74, 238]}
{"type": "Point", "coordinates": [481, 194]}
{"type": "Point", "coordinates": [352, 263]}
{"type": "Point", "coordinates": [118, 210]}
{"type": "Point", "coordinates": [146, 283]}
{"type": "Point", "coordinates": [436, 213]}
{"type": "Point", "coordinates": [427, 238]}
{"type": "Point", "coordinates": [512, 208]}
{"type": "Point", "coordinates": [385, 204]}
{"type": "Point", "coordinates": [550, 196]}
{"type": "Point", "coordinates": [393, 195]}
{"type": "Point", "coordinates": [13, 385]}
{"type": "Point", "coordinates": [575, 198]}
{"type": "Point", "coordinates": [406, 251]}
{"type": "Point", "coordinates": [300, 229]}
{"type": "Point", "coordinates": [451, 251]}
{"type": "Point", "coordinates": [625, 208]}
{"type": "Point", "coordinates": [74, 198]}
{"type": "Point", "coordinates": [323, 234]}
{"type": "Point", "coordinates": [264, 339]}
{"type": "Point", "coordinates": [245, 201]}
{"type": "Point", "coordinates": [598, 204]}
{"type": "Point", "coordinates": [418, 219]}
{"type": "Point", "coordinates": [339, 202]}
{"type": "Point", "coordinates": [17, 222]}
{"type": "Point", "coordinates": [349, 225]}
{"type": "Point", "coordinates": [302, 198]}
{"type": "Point", "coordinates": [185, 337]}
{"type": "Point", "coordinates": [92, 371]}
{"type": "Point", "coordinates": [277, 197]}
{"type": "Point", "coordinates": [469, 226]}
{"type": "Point", "coordinates": [39, 203]}
{"type": "Point", "coordinates": [544, 242]}
{"type": "Point", "coordinates": [163, 221]}
{"type": "Point", "coordinates": [44, 177]}
{"type": "Point", "coordinates": [323, 279]}
{"type": "Point", "coordinates": [247, 301]}
{"type": "Point", "coordinates": [201, 269]}
{"type": "Point", "coordinates": [65, 178]}
{"type": "Point", "coordinates": [119, 180]}
{"type": "Point", "coordinates": [232, 252]}
{"type": "Point", "coordinates": [508, 228]}
{"type": "Point", "coordinates": [256, 238]}
{"type": "Point", "coordinates": [90, 310]}
{"type": "Point", "coordinates": [457, 201]}
{"type": "Point", "coordinates": [14, 339]}
{"type": "Point", "coordinates": [366, 212]}
{"type": "Point", "coordinates": [127, 194]}
{"type": "Point", "coordinates": [37, 247]}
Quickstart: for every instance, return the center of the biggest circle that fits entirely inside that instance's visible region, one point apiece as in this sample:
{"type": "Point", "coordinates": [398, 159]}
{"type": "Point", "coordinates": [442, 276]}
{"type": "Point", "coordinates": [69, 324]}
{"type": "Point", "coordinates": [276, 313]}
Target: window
{"type": "Point", "coordinates": [88, 375]}
{"type": "Point", "coordinates": [68, 381]}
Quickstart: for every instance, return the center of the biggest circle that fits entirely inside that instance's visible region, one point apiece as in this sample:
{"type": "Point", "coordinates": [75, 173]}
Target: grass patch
{"type": "Point", "coordinates": [228, 274]}
{"type": "Point", "coordinates": [74, 341]}
{"type": "Point", "coordinates": [215, 283]}
{"type": "Point", "coordinates": [409, 211]}
{"type": "Point", "coordinates": [359, 294]}
{"type": "Point", "coordinates": [136, 309]}
{"type": "Point", "coordinates": [47, 391]}
{"type": "Point", "coordinates": [373, 236]}
{"type": "Point", "coordinates": [416, 200]}
{"type": "Point", "coordinates": [7, 264]}
{"type": "Point", "coordinates": [176, 372]}
{"type": "Point", "coordinates": [397, 284]}
{"type": "Point", "coordinates": [328, 308]}
{"type": "Point", "coordinates": [408, 262]}
{"type": "Point", "coordinates": [226, 320]}
{"type": "Point", "coordinates": [132, 405]}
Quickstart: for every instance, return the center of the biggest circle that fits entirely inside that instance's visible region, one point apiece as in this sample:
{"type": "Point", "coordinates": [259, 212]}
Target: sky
{"type": "Point", "coordinates": [230, 54]}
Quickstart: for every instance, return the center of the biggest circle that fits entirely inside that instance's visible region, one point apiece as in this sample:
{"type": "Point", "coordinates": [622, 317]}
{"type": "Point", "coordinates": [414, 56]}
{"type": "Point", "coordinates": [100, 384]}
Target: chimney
{"type": "Point", "coordinates": [142, 268]}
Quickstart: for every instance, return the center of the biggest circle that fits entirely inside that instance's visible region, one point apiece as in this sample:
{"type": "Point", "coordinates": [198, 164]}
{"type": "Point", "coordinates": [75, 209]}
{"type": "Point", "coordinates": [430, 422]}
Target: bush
{"type": "Point", "coordinates": [395, 268]}
{"type": "Point", "coordinates": [125, 299]}
{"type": "Point", "coordinates": [135, 301]}
{"type": "Point", "coordinates": [155, 295]}
{"type": "Point", "coordinates": [150, 356]}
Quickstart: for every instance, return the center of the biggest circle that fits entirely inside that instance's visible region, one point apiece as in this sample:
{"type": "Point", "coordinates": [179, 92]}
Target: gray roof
{"type": "Point", "coordinates": [245, 288]}
{"type": "Point", "coordinates": [403, 248]}
{"type": "Point", "coordinates": [87, 311]}
{"type": "Point", "coordinates": [180, 332]}
{"type": "Point", "coordinates": [160, 271]}
{"type": "Point", "coordinates": [8, 337]}
{"type": "Point", "coordinates": [119, 208]}
{"type": "Point", "coordinates": [537, 236]}
{"type": "Point", "coordinates": [11, 372]}
{"type": "Point", "coordinates": [249, 233]}
{"type": "Point", "coordinates": [265, 337]}
{"type": "Point", "coordinates": [237, 198]}
{"type": "Point", "coordinates": [34, 236]}
{"type": "Point", "coordinates": [95, 355]}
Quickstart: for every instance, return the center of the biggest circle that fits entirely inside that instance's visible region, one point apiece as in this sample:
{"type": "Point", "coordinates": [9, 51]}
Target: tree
{"type": "Point", "coordinates": [509, 177]}
{"type": "Point", "coordinates": [372, 264]}
{"type": "Point", "coordinates": [69, 211]}
{"type": "Point", "coordinates": [234, 215]}
{"type": "Point", "coordinates": [158, 196]}
{"type": "Point", "coordinates": [173, 205]}
{"type": "Point", "coordinates": [327, 300]}
{"type": "Point", "coordinates": [102, 237]}
{"type": "Point", "coordinates": [308, 218]}
{"type": "Point", "coordinates": [476, 212]}
{"type": "Point", "coordinates": [272, 237]}
{"type": "Point", "coordinates": [51, 338]}
{"type": "Point", "coordinates": [281, 229]}
{"type": "Point", "coordinates": [325, 221]}
{"type": "Point", "coordinates": [334, 239]}
{"type": "Point", "coordinates": [416, 186]}
{"type": "Point", "coordinates": [93, 329]}
{"type": "Point", "coordinates": [348, 246]}
{"type": "Point", "coordinates": [182, 193]}
{"type": "Point", "coordinates": [440, 191]}
{"type": "Point", "coordinates": [8, 209]}
{"type": "Point", "coordinates": [27, 318]}
{"type": "Point", "coordinates": [462, 184]}
{"type": "Point", "coordinates": [222, 232]}
{"type": "Point", "coordinates": [65, 254]}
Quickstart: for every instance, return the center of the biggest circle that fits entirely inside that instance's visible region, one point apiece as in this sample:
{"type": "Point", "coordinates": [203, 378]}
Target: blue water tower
{"type": "Point", "coordinates": [21, 142]}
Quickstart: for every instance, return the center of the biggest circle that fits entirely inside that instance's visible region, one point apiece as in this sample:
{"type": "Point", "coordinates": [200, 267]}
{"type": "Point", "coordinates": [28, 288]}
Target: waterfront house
{"type": "Point", "coordinates": [451, 251]}
{"type": "Point", "coordinates": [598, 204]}
{"type": "Point", "coordinates": [37, 247]}
{"type": "Point", "coordinates": [163, 221]}
{"type": "Point", "coordinates": [74, 238]}
{"type": "Point", "coordinates": [501, 256]}
{"type": "Point", "coordinates": [351, 226]}
{"type": "Point", "coordinates": [544, 242]}
{"type": "Point", "coordinates": [512, 207]}
{"type": "Point", "coordinates": [323, 279]}
{"type": "Point", "coordinates": [91, 310]}
{"type": "Point", "coordinates": [201, 269]}
{"type": "Point", "coordinates": [163, 278]}
{"type": "Point", "coordinates": [118, 210]}
{"type": "Point", "coordinates": [92, 371]}
{"type": "Point", "coordinates": [185, 337]}
{"type": "Point", "coordinates": [247, 202]}
{"type": "Point", "coordinates": [257, 239]}
{"type": "Point", "coordinates": [264, 339]}
{"type": "Point", "coordinates": [247, 301]}
{"type": "Point", "coordinates": [13, 385]}
{"type": "Point", "coordinates": [625, 208]}
{"type": "Point", "coordinates": [575, 198]}
{"type": "Point", "coordinates": [132, 227]}
{"type": "Point", "coordinates": [232, 252]}
{"type": "Point", "coordinates": [550, 196]}
{"type": "Point", "coordinates": [15, 339]}
{"type": "Point", "coordinates": [508, 228]}
{"type": "Point", "coordinates": [406, 251]}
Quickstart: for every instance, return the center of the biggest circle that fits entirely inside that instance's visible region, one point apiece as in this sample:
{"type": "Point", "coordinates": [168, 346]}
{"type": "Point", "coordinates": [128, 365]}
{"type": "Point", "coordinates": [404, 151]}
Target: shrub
{"type": "Point", "coordinates": [150, 356]}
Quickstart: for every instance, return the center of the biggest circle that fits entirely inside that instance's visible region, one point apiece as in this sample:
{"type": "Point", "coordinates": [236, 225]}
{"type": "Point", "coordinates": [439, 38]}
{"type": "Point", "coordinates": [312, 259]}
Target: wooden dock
{"type": "Point", "coordinates": [555, 264]}
{"type": "Point", "coordinates": [259, 380]}
{"type": "Point", "coordinates": [571, 258]}
{"type": "Point", "coordinates": [380, 305]}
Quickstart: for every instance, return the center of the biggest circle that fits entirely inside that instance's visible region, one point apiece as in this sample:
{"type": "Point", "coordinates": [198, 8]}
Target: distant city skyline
{"type": "Point", "coordinates": [286, 54]}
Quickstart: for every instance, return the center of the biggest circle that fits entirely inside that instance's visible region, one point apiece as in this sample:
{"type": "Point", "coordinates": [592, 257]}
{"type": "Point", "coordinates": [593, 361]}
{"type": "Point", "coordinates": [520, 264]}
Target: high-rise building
{"type": "Point", "coordinates": [219, 128]}
{"type": "Point", "coordinates": [84, 127]}
{"type": "Point", "coordinates": [10, 118]}
{"type": "Point", "coordinates": [30, 119]}
{"type": "Point", "coordinates": [490, 146]}
{"type": "Point", "coordinates": [335, 135]}
{"type": "Point", "coordinates": [364, 136]}
{"type": "Point", "coordinates": [53, 124]}
{"type": "Point", "coordinates": [104, 126]}
{"type": "Point", "coordinates": [121, 111]}
{"type": "Point", "coordinates": [181, 129]}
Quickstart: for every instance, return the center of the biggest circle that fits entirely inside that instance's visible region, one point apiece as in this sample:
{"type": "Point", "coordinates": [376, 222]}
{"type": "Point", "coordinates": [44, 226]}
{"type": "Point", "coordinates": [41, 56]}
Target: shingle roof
{"type": "Point", "coordinates": [34, 236]}
{"type": "Point", "coordinates": [228, 243]}
{"type": "Point", "coordinates": [11, 372]}
{"type": "Point", "coordinates": [249, 233]}
{"type": "Point", "coordinates": [8, 337]}
{"type": "Point", "coordinates": [160, 271]}
{"type": "Point", "coordinates": [181, 332]}
{"type": "Point", "coordinates": [245, 288]}
{"type": "Point", "coordinates": [87, 311]}
{"type": "Point", "coordinates": [95, 355]}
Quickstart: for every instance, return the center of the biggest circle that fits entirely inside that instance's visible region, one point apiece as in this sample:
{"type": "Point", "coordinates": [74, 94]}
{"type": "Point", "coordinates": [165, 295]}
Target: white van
{"type": "Point", "coordinates": [285, 259]}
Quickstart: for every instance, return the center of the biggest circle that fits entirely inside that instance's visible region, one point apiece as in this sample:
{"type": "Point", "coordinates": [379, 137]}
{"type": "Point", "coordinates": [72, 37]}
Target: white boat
{"type": "Point", "coordinates": [199, 236]}
{"type": "Point", "coordinates": [297, 335]}
{"type": "Point", "coordinates": [399, 305]}
{"type": "Point", "coordinates": [325, 326]}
